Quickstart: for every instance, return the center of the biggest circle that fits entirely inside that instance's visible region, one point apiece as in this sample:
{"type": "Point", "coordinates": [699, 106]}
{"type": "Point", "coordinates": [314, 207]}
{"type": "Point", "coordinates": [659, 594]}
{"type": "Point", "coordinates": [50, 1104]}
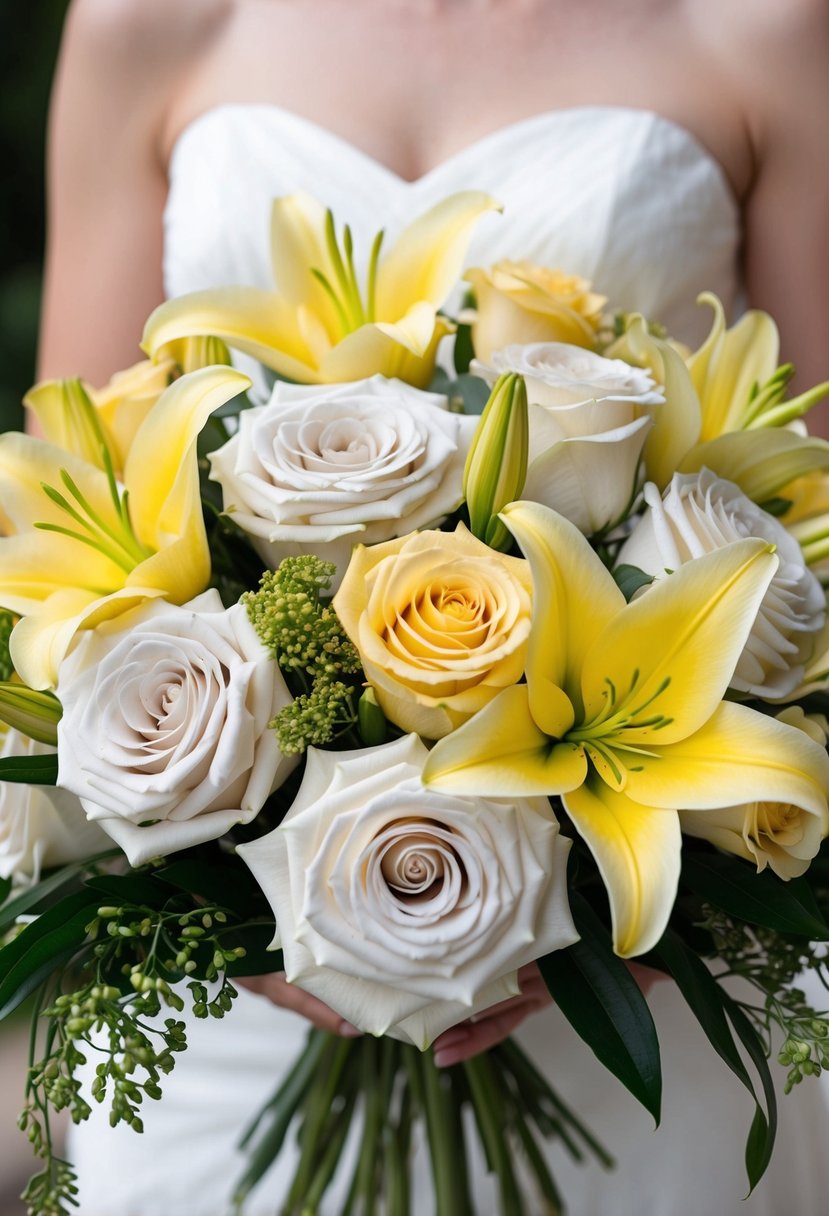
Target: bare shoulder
{"type": "Point", "coordinates": [138, 45]}
{"type": "Point", "coordinates": [777, 53]}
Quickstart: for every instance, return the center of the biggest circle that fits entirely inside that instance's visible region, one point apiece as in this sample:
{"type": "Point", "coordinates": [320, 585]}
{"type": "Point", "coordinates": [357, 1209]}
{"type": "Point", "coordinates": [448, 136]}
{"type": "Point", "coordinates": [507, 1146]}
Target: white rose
{"type": "Point", "coordinates": [164, 735]}
{"type": "Point", "coordinates": [700, 513]}
{"type": "Point", "coordinates": [783, 836]}
{"type": "Point", "coordinates": [589, 418]}
{"type": "Point", "coordinates": [40, 825]}
{"type": "Point", "coordinates": [321, 468]}
{"type": "Point", "coordinates": [403, 908]}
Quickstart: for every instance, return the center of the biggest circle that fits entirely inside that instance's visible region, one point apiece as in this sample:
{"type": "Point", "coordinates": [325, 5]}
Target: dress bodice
{"type": "Point", "coordinates": [621, 196]}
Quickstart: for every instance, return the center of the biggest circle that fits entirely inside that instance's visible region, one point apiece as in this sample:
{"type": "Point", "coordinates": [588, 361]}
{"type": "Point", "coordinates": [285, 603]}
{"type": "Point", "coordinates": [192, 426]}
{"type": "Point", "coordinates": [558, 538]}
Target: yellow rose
{"type": "Point", "coordinates": [441, 623]}
{"type": "Point", "coordinates": [519, 302]}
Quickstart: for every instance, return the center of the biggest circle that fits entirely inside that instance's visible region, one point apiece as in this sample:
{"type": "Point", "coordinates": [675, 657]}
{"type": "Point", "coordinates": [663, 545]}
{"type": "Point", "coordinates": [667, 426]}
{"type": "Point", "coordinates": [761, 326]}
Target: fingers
{"type": "Point", "coordinates": [470, 1038]}
{"type": "Point", "coordinates": [277, 990]}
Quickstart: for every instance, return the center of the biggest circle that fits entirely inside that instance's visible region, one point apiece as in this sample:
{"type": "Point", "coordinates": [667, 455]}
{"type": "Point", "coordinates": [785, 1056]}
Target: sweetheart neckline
{"type": "Point", "coordinates": [507, 131]}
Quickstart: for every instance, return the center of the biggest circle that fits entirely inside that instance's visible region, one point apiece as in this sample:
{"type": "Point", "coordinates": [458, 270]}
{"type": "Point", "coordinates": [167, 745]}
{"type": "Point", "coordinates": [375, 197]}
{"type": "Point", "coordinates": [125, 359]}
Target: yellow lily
{"type": "Point", "coordinates": [83, 548]}
{"type": "Point", "coordinates": [319, 327]}
{"type": "Point", "coordinates": [622, 714]}
{"type": "Point", "coordinates": [85, 420]}
{"type": "Point", "coordinates": [760, 462]}
{"type": "Point", "coordinates": [737, 377]}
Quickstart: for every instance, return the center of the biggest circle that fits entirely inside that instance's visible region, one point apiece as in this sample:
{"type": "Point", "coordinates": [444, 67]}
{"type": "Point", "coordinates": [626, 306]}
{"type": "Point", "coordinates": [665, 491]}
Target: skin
{"type": "Point", "coordinates": [750, 82]}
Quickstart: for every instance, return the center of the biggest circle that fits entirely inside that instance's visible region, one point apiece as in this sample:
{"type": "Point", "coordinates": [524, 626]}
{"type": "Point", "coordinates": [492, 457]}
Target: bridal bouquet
{"type": "Point", "coordinates": [399, 680]}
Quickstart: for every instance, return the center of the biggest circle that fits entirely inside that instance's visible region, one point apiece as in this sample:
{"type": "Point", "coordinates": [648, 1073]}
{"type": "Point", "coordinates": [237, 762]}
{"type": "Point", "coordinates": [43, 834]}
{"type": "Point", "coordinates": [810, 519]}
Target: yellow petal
{"type": "Point", "coordinates": [760, 462]}
{"type": "Point", "coordinates": [501, 752]}
{"type": "Point", "coordinates": [728, 365]}
{"type": "Point", "coordinates": [39, 642]}
{"type": "Point", "coordinates": [637, 850]}
{"type": "Point", "coordinates": [34, 567]}
{"type": "Point", "coordinates": [739, 755]}
{"type": "Point", "coordinates": [258, 323]}
{"type": "Point", "coordinates": [161, 473]}
{"type": "Point", "coordinates": [68, 418]}
{"type": "Point", "coordinates": [405, 351]}
{"type": "Point", "coordinates": [26, 464]}
{"type": "Point", "coordinates": [668, 658]}
{"type": "Point", "coordinates": [574, 596]}
{"type": "Point", "coordinates": [677, 422]}
{"type": "Point", "coordinates": [298, 245]}
{"type": "Point", "coordinates": [427, 259]}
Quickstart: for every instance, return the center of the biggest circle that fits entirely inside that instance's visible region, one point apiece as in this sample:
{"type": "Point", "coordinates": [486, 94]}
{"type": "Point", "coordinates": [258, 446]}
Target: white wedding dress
{"type": "Point", "coordinates": [636, 204]}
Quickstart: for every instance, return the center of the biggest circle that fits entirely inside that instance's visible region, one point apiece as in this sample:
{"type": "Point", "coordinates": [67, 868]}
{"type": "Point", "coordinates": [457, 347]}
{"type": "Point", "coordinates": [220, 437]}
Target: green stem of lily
{"type": "Point", "coordinates": [354, 298]}
{"type": "Point", "coordinates": [371, 290]}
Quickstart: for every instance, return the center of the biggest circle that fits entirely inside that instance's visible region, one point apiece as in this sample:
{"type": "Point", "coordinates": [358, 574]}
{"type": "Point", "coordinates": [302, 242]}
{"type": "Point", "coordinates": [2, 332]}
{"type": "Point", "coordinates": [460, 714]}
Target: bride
{"type": "Point", "coordinates": [658, 147]}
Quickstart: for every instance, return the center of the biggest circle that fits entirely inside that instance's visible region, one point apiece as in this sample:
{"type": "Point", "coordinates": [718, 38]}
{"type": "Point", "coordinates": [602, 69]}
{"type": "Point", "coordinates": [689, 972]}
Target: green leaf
{"type": "Point", "coordinates": [5, 890]}
{"type": "Point", "coordinates": [731, 884]}
{"type": "Point", "coordinates": [464, 350]}
{"type": "Point", "coordinates": [45, 945]}
{"type": "Point", "coordinates": [764, 1126]}
{"type": "Point", "coordinates": [30, 770]}
{"type": "Point", "coordinates": [713, 1008]}
{"type": "Point", "coordinates": [629, 579]}
{"type": "Point", "coordinates": [603, 1003]}
{"type": "Point", "coordinates": [29, 898]}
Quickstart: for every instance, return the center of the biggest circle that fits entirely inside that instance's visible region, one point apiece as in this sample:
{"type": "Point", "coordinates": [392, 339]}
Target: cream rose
{"type": "Point", "coordinates": [321, 468]}
{"type": "Point", "coordinates": [40, 825]}
{"type": "Point", "coordinates": [518, 302]}
{"type": "Point", "coordinates": [440, 621]}
{"type": "Point", "coordinates": [164, 735]}
{"type": "Point", "coordinates": [782, 836]}
{"type": "Point", "coordinates": [405, 909]}
{"type": "Point", "coordinates": [700, 513]}
{"type": "Point", "coordinates": [589, 418]}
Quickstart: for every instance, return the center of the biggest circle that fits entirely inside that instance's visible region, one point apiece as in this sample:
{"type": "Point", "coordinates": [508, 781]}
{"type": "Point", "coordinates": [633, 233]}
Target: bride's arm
{"type": "Point", "coordinates": [784, 78]}
{"type": "Point", "coordinates": [120, 65]}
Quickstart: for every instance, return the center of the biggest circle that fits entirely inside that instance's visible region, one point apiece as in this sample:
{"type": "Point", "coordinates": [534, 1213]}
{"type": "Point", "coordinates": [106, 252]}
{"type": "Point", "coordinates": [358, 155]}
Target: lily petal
{"type": "Point", "coordinates": [40, 641]}
{"type": "Point", "coordinates": [739, 755]}
{"type": "Point", "coordinates": [572, 592]}
{"type": "Point", "coordinates": [637, 850]}
{"type": "Point", "coordinates": [298, 245]}
{"type": "Point", "coordinates": [666, 661]}
{"type": "Point", "coordinates": [760, 462]}
{"type": "Point", "coordinates": [258, 323]}
{"type": "Point", "coordinates": [161, 477]}
{"type": "Point", "coordinates": [402, 351]}
{"type": "Point", "coordinates": [729, 364]}
{"type": "Point", "coordinates": [427, 259]}
{"type": "Point", "coordinates": [502, 753]}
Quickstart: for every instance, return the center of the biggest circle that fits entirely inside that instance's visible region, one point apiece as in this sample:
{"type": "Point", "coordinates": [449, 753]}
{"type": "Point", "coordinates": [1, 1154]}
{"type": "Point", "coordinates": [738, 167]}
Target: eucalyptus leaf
{"type": "Point", "coordinates": [603, 1003]}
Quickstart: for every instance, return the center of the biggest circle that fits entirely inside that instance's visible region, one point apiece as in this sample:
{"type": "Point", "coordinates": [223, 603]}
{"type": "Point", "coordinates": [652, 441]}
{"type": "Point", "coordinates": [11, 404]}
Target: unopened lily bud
{"type": "Point", "coordinates": [496, 467]}
{"type": "Point", "coordinates": [35, 714]}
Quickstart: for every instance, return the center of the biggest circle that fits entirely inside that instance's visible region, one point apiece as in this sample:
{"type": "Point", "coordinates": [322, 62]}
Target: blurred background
{"type": "Point", "coordinates": [27, 62]}
{"type": "Point", "coordinates": [27, 58]}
